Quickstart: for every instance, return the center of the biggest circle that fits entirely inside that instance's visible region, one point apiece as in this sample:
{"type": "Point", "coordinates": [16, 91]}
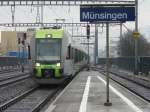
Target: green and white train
{"type": "Point", "coordinates": [54, 57]}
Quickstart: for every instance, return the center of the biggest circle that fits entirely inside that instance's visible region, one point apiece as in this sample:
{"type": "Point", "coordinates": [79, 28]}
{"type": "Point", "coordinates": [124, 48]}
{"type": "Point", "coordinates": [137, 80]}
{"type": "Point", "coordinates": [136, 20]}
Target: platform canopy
{"type": "Point", "coordinates": [62, 2]}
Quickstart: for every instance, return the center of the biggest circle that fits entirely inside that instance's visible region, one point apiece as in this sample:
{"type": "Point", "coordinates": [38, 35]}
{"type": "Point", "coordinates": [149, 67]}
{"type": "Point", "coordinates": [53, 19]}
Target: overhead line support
{"type": "Point", "coordinates": [60, 2]}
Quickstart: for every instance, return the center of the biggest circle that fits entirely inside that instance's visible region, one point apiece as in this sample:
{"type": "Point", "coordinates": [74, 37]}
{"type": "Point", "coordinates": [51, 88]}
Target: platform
{"type": "Point", "coordinates": [87, 93]}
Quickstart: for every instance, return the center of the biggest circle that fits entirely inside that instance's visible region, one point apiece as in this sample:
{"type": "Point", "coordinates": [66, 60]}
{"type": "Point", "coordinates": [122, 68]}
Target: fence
{"type": "Point", "coordinates": [127, 63]}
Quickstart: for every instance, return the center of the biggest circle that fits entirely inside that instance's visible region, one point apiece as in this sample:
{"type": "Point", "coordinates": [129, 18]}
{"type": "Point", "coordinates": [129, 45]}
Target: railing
{"type": "Point", "coordinates": [127, 63]}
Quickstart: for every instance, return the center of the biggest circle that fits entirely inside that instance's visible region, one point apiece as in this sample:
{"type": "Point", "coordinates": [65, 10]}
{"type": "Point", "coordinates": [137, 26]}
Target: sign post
{"type": "Point", "coordinates": [107, 103]}
{"type": "Point", "coordinates": [135, 35]}
{"type": "Point", "coordinates": [88, 37]}
{"type": "Point", "coordinates": [107, 14]}
{"type": "Point", "coordinates": [96, 45]}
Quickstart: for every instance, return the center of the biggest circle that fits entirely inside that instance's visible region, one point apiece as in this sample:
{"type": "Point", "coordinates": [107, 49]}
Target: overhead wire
{"type": "Point", "coordinates": [13, 15]}
{"type": "Point", "coordinates": [38, 14]}
{"type": "Point", "coordinates": [54, 12]}
{"type": "Point", "coordinates": [32, 9]}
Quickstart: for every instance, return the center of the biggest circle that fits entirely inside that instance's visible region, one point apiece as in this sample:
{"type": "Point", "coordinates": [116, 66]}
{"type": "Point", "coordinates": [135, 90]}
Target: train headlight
{"type": "Point", "coordinates": [37, 64]}
{"type": "Point", "coordinates": [58, 64]}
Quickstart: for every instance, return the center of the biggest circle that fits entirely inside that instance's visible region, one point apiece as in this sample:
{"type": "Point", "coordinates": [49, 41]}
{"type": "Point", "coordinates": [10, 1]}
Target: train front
{"type": "Point", "coordinates": [48, 43]}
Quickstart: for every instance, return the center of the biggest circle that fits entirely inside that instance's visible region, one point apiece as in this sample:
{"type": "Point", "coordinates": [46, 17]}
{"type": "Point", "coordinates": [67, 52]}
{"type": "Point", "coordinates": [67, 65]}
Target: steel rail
{"type": "Point", "coordinates": [139, 81]}
{"type": "Point", "coordinates": [59, 89]}
{"type": "Point", "coordinates": [112, 75]}
{"type": "Point", "coordinates": [9, 76]}
{"type": "Point", "coordinates": [132, 90]}
{"type": "Point", "coordinates": [13, 80]}
{"type": "Point", "coordinates": [40, 104]}
{"type": "Point", "coordinates": [14, 100]}
{"type": "Point", "coordinates": [46, 100]}
{"type": "Point", "coordinates": [37, 105]}
{"type": "Point", "coordinates": [9, 70]}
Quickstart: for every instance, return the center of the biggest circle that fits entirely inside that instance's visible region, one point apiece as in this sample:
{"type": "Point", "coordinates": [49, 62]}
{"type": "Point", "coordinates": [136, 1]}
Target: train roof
{"type": "Point", "coordinates": [49, 33]}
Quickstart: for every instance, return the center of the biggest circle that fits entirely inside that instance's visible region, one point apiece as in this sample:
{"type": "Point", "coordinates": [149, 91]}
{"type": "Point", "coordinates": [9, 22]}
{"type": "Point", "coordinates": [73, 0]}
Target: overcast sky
{"type": "Point", "coordinates": [71, 14]}
{"type": "Point", "coordinates": [28, 14]}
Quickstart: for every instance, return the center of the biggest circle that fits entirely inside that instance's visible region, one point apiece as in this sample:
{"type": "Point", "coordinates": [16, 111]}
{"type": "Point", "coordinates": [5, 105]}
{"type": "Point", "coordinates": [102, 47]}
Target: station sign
{"type": "Point", "coordinates": [106, 13]}
{"type": "Point", "coordinates": [136, 35]}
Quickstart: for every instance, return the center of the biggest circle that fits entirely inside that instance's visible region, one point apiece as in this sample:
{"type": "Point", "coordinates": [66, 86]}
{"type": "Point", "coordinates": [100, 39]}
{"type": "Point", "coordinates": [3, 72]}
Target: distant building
{"type": "Point", "coordinates": [9, 41]}
{"type": "Point", "coordinates": [30, 34]}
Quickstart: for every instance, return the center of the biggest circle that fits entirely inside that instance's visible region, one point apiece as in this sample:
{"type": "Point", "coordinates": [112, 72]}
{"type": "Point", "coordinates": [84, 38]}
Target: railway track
{"type": "Point", "coordinates": [9, 75]}
{"type": "Point", "coordinates": [138, 80]}
{"type": "Point", "coordinates": [30, 101]}
{"type": "Point", "coordinates": [15, 89]}
{"type": "Point", "coordinates": [15, 99]}
{"type": "Point", "coordinates": [7, 71]}
{"type": "Point", "coordinates": [12, 85]}
{"type": "Point", "coordinates": [11, 70]}
{"type": "Point", "coordinates": [136, 85]}
{"type": "Point", "coordinates": [9, 79]}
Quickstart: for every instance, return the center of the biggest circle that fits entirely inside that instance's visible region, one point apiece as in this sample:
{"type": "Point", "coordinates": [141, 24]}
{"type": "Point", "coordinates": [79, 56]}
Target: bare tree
{"type": "Point", "coordinates": [126, 45]}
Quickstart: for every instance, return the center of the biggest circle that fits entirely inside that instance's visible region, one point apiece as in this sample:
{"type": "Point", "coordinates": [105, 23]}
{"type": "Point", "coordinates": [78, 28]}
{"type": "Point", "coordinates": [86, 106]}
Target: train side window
{"type": "Point", "coordinates": [71, 53]}
{"type": "Point", "coordinates": [68, 52]}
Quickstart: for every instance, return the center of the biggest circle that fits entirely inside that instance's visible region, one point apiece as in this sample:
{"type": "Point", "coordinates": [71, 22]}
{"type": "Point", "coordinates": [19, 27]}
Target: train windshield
{"type": "Point", "coordinates": [48, 49]}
